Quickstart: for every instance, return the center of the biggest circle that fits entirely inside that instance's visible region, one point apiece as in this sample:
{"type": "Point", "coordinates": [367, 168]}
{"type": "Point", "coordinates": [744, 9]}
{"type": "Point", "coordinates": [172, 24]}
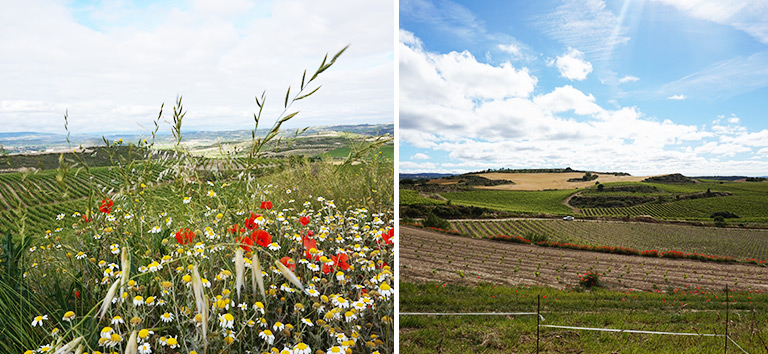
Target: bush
{"type": "Point", "coordinates": [590, 279]}
{"type": "Point", "coordinates": [724, 214]}
{"type": "Point", "coordinates": [435, 221]}
{"type": "Point", "coordinates": [719, 221]}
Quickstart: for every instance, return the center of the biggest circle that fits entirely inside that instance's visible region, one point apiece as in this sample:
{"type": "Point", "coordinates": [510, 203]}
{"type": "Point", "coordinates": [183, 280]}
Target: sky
{"type": "Point", "coordinates": [639, 86]}
{"type": "Point", "coordinates": [111, 63]}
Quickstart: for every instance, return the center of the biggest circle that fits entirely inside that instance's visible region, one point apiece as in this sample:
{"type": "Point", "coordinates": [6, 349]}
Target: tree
{"type": "Point", "coordinates": [600, 187]}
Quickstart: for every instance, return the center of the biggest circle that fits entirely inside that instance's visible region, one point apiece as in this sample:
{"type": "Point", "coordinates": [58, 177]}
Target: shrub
{"type": "Point", "coordinates": [590, 279]}
{"type": "Point", "coordinates": [435, 221]}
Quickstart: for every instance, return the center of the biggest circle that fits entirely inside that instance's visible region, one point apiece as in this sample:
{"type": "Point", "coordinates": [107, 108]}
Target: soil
{"type": "Point", "coordinates": [541, 181]}
{"type": "Point", "coordinates": [428, 256]}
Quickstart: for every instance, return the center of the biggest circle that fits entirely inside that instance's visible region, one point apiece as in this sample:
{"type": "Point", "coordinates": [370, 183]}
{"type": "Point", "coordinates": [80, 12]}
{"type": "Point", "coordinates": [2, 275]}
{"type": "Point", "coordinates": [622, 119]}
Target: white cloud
{"type": "Point", "coordinates": [511, 49]}
{"type": "Point", "coordinates": [420, 156]}
{"type": "Point", "coordinates": [628, 78]}
{"type": "Point", "coordinates": [677, 97]}
{"type": "Point", "coordinates": [572, 65]}
{"type": "Point", "coordinates": [113, 63]}
{"type": "Point", "coordinates": [482, 130]}
{"type": "Point", "coordinates": [568, 98]}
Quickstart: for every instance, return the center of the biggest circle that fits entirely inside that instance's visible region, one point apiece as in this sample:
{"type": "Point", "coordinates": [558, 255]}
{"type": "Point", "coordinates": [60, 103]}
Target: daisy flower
{"type": "Point", "coordinates": [166, 317]}
{"type": "Point", "coordinates": [117, 320]}
{"type": "Point", "coordinates": [38, 321]}
{"type": "Point", "coordinates": [267, 336]}
{"type": "Point", "coordinates": [227, 320]}
{"type": "Point", "coordinates": [68, 316]}
{"type": "Point", "coordinates": [145, 349]}
{"type": "Point", "coordinates": [278, 326]}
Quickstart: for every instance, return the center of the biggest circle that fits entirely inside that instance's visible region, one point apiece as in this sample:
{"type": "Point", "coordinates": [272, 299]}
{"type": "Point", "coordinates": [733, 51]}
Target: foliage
{"type": "Point", "coordinates": [590, 279]}
{"type": "Point", "coordinates": [435, 221]}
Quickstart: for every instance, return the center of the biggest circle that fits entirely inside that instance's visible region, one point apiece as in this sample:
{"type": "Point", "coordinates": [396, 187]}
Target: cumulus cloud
{"type": "Point", "coordinates": [677, 97]}
{"type": "Point", "coordinates": [556, 128]}
{"type": "Point", "coordinates": [572, 65]}
{"type": "Point", "coordinates": [420, 156]}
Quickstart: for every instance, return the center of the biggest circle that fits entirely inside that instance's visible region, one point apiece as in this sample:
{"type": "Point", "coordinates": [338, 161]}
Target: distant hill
{"type": "Point", "coordinates": [32, 142]}
{"type": "Point", "coordinates": [424, 175]}
{"type": "Point", "coordinates": [674, 178]}
{"type": "Point", "coordinates": [730, 178]}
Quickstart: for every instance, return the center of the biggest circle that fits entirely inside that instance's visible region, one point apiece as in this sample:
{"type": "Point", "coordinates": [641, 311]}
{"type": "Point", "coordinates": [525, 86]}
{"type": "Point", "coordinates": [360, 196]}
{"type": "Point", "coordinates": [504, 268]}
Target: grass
{"type": "Point", "coordinates": [702, 313]}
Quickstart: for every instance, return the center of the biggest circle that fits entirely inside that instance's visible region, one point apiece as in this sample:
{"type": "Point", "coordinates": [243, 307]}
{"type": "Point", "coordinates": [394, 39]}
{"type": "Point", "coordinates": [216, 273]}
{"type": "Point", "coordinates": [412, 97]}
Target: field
{"type": "Point", "coordinates": [411, 197]}
{"type": "Point", "coordinates": [731, 242]}
{"type": "Point", "coordinates": [543, 202]}
{"type": "Point", "coordinates": [542, 181]}
{"type": "Point", "coordinates": [692, 202]}
{"type": "Point", "coordinates": [444, 273]}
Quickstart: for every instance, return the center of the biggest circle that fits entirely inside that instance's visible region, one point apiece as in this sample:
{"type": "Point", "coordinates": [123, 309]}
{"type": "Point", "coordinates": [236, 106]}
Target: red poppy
{"type": "Point", "coordinates": [106, 206]}
{"type": "Point", "coordinates": [245, 243]}
{"type": "Point", "coordinates": [77, 294]}
{"type": "Point", "coordinates": [339, 261]}
{"type": "Point", "coordinates": [184, 236]}
{"type": "Point", "coordinates": [262, 238]}
{"type": "Point", "coordinates": [266, 205]}
{"type": "Point", "coordinates": [308, 245]}
{"type": "Point", "coordinates": [250, 222]}
{"type": "Point", "coordinates": [86, 218]}
{"type": "Point", "coordinates": [236, 228]}
{"type": "Point", "coordinates": [304, 220]}
{"type": "Point", "coordinates": [387, 236]}
{"type": "Point", "coordinates": [288, 262]}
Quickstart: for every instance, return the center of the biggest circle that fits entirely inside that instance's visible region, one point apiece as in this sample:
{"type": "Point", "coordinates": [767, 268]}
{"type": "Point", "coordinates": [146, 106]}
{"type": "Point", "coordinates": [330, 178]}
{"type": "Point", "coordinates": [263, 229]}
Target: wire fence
{"type": "Point", "coordinates": [540, 317]}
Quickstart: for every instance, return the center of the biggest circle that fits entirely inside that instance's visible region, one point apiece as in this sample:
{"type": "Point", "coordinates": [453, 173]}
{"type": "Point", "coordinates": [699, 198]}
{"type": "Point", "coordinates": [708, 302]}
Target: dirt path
{"type": "Point", "coordinates": [567, 202]}
{"type": "Point", "coordinates": [427, 256]}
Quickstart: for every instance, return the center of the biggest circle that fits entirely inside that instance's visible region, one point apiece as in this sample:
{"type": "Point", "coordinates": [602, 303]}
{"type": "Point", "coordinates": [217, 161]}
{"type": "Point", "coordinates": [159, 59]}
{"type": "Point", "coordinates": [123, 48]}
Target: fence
{"type": "Point", "coordinates": [540, 317]}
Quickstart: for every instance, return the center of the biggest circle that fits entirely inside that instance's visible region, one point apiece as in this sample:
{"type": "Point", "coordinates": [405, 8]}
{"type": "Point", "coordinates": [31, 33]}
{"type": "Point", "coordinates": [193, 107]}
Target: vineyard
{"type": "Point", "coordinates": [43, 197]}
{"type": "Point", "coordinates": [736, 243]}
{"type": "Point", "coordinates": [412, 197]}
{"type": "Point", "coordinates": [535, 202]}
{"type": "Point", "coordinates": [749, 200]}
{"type": "Point", "coordinates": [447, 273]}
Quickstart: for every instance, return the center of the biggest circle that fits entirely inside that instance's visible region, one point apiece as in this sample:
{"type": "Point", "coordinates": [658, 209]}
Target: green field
{"type": "Point", "coordinates": [748, 200]}
{"type": "Point", "coordinates": [411, 197]}
{"type": "Point", "coordinates": [680, 311]}
{"type": "Point", "coordinates": [387, 151]}
{"type": "Point", "coordinates": [534, 202]}
{"type": "Point", "coordinates": [732, 242]}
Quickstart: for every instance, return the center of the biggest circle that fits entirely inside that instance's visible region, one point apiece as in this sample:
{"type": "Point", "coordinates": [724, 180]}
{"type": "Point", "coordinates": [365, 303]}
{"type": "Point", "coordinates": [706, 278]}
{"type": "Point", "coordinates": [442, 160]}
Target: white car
{"type": "Point", "coordinates": [568, 218]}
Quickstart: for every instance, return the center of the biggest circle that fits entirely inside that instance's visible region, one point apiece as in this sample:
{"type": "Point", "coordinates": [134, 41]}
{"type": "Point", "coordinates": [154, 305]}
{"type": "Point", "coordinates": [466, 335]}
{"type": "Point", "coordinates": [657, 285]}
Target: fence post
{"type": "Point", "coordinates": [538, 317]}
{"type": "Point", "coordinates": [727, 308]}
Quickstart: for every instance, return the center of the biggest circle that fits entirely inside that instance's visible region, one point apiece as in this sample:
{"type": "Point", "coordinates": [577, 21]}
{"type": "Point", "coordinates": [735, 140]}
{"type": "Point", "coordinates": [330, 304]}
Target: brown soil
{"type": "Point", "coordinates": [428, 256]}
{"type": "Point", "coordinates": [541, 181]}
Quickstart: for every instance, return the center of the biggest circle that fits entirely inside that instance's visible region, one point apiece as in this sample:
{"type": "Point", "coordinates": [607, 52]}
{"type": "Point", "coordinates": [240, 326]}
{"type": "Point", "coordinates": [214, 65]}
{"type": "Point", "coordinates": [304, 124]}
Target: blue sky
{"type": "Point", "coordinates": [640, 86]}
{"type": "Point", "coordinates": [112, 63]}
